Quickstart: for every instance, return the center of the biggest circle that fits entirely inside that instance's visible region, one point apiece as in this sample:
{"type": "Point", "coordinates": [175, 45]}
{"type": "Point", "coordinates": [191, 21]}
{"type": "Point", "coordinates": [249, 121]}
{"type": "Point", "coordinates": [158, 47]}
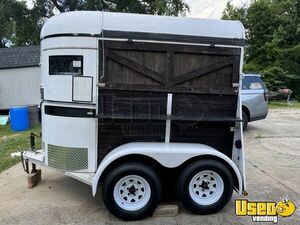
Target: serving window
{"type": "Point", "coordinates": [66, 65]}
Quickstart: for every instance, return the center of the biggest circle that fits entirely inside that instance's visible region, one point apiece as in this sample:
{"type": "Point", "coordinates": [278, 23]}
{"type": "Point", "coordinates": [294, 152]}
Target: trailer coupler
{"type": "Point", "coordinates": [25, 164]}
{"type": "Point", "coordinates": [25, 161]}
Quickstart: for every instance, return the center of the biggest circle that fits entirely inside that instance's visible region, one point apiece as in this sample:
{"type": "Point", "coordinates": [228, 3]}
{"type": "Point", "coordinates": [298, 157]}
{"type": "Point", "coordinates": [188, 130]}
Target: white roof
{"type": "Point", "coordinates": [92, 22]}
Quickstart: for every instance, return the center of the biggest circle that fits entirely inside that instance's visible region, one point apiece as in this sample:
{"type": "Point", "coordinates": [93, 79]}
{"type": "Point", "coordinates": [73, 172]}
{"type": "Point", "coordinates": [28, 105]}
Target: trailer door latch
{"type": "Point", "coordinates": [90, 113]}
{"type": "Point", "coordinates": [235, 85]}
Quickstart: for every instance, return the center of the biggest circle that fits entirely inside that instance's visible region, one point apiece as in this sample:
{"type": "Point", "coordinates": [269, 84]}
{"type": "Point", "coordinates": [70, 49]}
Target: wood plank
{"type": "Point", "coordinates": [146, 46]}
{"type": "Point", "coordinates": [135, 66]}
{"type": "Point", "coordinates": [172, 117]}
{"type": "Point", "coordinates": [201, 71]}
{"type": "Point", "coordinates": [214, 134]}
{"type": "Point", "coordinates": [170, 67]}
{"type": "Point", "coordinates": [236, 69]}
{"type": "Point", "coordinates": [170, 89]}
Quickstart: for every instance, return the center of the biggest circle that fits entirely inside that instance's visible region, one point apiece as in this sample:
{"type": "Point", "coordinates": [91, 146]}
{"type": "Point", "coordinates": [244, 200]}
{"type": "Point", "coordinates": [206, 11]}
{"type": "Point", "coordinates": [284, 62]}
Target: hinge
{"type": "Point", "coordinates": [101, 84]}
{"type": "Point", "coordinates": [235, 85]}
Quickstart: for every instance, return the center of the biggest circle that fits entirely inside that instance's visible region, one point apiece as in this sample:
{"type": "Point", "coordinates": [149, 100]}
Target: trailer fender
{"type": "Point", "coordinates": [169, 155]}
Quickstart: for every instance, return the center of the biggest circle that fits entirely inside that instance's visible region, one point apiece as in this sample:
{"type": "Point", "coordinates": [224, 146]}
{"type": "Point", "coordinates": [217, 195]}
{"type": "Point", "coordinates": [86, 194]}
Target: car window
{"type": "Point", "coordinates": [252, 83]}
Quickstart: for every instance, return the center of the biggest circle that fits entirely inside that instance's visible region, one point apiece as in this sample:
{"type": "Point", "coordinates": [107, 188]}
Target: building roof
{"type": "Point", "coordinates": [92, 23]}
{"type": "Point", "coordinates": [19, 57]}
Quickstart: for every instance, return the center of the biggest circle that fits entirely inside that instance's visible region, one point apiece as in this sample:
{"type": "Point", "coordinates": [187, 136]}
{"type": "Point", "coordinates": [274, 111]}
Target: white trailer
{"type": "Point", "coordinates": [143, 106]}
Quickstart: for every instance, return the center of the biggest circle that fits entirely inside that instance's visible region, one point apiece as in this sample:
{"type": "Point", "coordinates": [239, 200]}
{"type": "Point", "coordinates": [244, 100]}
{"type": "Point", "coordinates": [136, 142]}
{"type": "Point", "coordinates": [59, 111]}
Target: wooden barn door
{"type": "Point", "coordinates": [162, 67]}
{"type": "Point", "coordinates": [136, 78]}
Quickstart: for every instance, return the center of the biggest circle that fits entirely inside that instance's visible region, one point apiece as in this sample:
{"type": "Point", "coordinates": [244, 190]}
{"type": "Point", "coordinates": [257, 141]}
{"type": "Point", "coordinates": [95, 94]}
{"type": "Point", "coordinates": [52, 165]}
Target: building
{"type": "Point", "coordinates": [19, 76]}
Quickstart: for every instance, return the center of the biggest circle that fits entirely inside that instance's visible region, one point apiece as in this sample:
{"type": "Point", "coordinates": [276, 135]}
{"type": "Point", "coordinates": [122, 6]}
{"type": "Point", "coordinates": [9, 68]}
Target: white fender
{"type": "Point", "coordinates": [170, 155]}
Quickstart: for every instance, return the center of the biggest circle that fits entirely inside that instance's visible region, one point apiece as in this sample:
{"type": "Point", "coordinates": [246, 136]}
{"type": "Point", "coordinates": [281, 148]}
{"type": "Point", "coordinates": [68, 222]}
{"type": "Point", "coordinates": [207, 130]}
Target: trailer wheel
{"type": "Point", "coordinates": [132, 191]}
{"type": "Point", "coordinates": [205, 186]}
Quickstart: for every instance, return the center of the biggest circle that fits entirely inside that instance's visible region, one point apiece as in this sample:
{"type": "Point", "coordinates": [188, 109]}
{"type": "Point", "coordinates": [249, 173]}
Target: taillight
{"type": "Point", "coordinates": [266, 96]}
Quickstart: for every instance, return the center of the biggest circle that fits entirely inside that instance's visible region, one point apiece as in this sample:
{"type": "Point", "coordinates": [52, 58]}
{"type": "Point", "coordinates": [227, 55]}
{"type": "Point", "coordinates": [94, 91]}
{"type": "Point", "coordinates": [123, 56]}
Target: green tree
{"type": "Point", "coordinates": [21, 26]}
{"type": "Point", "coordinates": [10, 13]}
{"type": "Point", "coordinates": [154, 7]}
{"type": "Point", "coordinates": [273, 37]}
{"type": "Point", "coordinates": [234, 13]}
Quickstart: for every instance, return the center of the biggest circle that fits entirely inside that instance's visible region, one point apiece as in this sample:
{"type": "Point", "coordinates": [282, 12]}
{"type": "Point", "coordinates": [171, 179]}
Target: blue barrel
{"type": "Point", "coordinates": [19, 119]}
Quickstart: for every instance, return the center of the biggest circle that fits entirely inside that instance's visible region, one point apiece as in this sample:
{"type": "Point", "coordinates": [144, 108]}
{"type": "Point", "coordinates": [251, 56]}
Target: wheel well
{"type": "Point", "coordinates": [134, 157]}
{"type": "Point", "coordinates": [162, 170]}
{"type": "Point", "coordinates": [246, 110]}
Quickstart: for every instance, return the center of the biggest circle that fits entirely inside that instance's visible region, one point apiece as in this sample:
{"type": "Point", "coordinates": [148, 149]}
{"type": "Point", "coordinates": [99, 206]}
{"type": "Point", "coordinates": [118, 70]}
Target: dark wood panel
{"type": "Point", "coordinates": [173, 37]}
{"type": "Point", "coordinates": [113, 133]}
{"type": "Point", "coordinates": [152, 106]}
{"type": "Point", "coordinates": [204, 106]}
{"type": "Point", "coordinates": [132, 104]}
{"type": "Point", "coordinates": [146, 46]}
{"type": "Point", "coordinates": [216, 135]}
{"type": "Point", "coordinates": [166, 69]}
{"type": "Point", "coordinates": [137, 78]}
{"type": "Point", "coordinates": [201, 71]}
{"type": "Point", "coordinates": [169, 89]}
{"type": "Point", "coordinates": [144, 71]}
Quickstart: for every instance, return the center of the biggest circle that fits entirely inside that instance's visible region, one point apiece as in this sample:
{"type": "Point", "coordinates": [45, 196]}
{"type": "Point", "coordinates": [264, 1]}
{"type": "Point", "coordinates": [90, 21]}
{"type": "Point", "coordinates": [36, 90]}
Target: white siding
{"type": "Point", "coordinates": [19, 86]}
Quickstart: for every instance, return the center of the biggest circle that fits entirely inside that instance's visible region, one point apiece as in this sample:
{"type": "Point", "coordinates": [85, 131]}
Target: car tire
{"type": "Point", "coordinates": [205, 186]}
{"type": "Point", "coordinates": [245, 120]}
{"type": "Point", "coordinates": [131, 191]}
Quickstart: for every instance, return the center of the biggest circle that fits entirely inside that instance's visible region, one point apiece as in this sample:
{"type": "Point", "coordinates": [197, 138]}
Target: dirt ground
{"type": "Point", "coordinates": [272, 162]}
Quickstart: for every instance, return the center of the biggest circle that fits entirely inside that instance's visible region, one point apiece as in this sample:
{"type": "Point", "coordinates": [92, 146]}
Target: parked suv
{"type": "Point", "coordinates": [254, 98]}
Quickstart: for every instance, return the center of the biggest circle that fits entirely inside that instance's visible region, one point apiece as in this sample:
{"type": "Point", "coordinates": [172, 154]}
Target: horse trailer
{"type": "Point", "coordinates": [143, 107]}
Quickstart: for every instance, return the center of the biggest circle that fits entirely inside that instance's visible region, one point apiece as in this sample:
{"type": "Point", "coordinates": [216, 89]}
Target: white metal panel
{"type": "Point", "coordinates": [88, 22]}
{"type": "Point", "coordinates": [162, 153]}
{"type": "Point", "coordinates": [82, 88]}
{"type": "Point", "coordinates": [59, 87]}
{"type": "Point", "coordinates": [73, 22]}
{"type": "Point", "coordinates": [72, 132]}
{"type": "Point", "coordinates": [173, 25]}
{"type": "Point", "coordinates": [19, 86]}
{"type": "Point", "coordinates": [69, 42]}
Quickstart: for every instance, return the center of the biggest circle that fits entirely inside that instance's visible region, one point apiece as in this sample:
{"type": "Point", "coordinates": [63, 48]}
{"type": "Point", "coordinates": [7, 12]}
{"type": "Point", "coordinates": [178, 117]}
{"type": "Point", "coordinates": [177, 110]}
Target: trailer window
{"type": "Point", "coordinates": [65, 65]}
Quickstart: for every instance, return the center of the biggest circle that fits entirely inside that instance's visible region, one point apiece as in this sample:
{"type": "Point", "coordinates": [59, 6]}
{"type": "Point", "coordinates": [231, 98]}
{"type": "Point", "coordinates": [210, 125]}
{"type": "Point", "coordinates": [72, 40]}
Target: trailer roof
{"type": "Point", "coordinates": [93, 22]}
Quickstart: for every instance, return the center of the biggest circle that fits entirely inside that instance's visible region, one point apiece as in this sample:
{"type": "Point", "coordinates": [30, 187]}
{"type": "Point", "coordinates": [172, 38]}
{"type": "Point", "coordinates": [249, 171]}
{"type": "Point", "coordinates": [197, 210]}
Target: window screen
{"type": "Point", "coordinates": [252, 83]}
{"type": "Point", "coordinates": [65, 65]}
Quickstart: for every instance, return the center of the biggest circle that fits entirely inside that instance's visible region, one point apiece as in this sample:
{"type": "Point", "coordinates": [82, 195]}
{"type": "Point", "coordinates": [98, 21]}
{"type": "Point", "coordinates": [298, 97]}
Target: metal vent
{"type": "Point", "coordinates": [67, 158]}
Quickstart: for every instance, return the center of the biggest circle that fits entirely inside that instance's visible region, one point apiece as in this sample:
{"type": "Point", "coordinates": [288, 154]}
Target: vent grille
{"type": "Point", "coordinates": [67, 158]}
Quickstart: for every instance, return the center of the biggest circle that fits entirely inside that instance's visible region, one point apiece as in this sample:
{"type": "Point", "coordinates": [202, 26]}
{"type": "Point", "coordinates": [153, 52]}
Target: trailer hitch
{"type": "Point", "coordinates": [25, 165]}
{"type": "Point", "coordinates": [25, 162]}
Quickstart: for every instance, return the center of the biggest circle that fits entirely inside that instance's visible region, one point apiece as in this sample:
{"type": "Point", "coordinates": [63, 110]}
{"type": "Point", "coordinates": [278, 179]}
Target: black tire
{"type": "Point", "coordinates": [246, 120]}
{"type": "Point", "coordinates": [187, 175]}
{"type": "Point", "coordinates": [131, 168]}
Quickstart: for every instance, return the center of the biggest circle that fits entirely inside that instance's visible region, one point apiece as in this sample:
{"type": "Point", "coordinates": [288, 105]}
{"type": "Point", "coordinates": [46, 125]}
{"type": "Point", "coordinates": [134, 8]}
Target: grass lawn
{"type": "Point", "coordinates": [13, 142]}
{"type": "Point", "coordinates": [282, 105]}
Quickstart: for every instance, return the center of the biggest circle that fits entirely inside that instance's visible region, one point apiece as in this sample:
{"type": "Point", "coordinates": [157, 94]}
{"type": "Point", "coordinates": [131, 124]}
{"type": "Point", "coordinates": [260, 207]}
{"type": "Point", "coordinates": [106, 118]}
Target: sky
{"type": "Point", "coordinates": [202, 8]}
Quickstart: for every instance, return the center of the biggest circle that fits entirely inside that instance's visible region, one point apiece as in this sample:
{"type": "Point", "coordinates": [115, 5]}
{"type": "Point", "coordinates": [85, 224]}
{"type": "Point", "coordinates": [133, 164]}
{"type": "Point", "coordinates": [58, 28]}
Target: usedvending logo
{"type": "Point", "coordinates": [264, 211]}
